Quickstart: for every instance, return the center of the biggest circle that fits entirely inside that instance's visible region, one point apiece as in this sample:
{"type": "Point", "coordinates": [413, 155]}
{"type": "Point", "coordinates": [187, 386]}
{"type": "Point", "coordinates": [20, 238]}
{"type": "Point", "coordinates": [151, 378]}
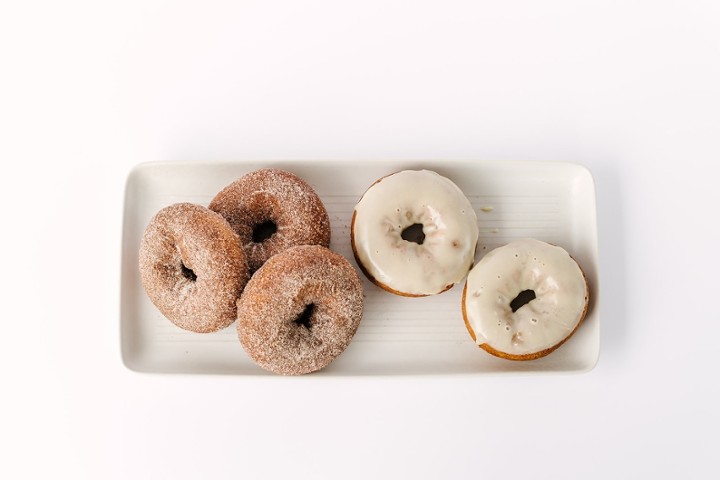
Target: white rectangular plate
{"type": "Point", "coordinates": [554, 202]}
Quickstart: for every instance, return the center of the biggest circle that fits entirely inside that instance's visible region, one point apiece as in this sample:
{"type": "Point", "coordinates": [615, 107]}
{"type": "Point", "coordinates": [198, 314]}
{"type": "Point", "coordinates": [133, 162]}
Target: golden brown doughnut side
{"type": "Point", "coordinates": [192, 267]}
{"type": "Point", "coordinates": [464, 314]}
{"type": "Point", "coordinates": [278, 294]}
{"type": "Point", "coordinates": [528, 356]}
{"type": "Point", "coordinates": [276, 196]}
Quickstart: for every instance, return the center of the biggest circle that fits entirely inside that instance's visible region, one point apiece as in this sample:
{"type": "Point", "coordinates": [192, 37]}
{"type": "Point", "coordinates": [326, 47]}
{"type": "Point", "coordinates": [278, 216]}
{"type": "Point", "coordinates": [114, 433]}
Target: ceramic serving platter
{"type": "Point", "coordinates": [551, 201]}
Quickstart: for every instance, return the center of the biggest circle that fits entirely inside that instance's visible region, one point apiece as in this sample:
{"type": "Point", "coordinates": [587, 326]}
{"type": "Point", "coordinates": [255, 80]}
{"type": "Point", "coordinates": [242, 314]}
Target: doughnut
{"type": "Point", "coordinates": [414, 233]}
{"type": "Point", "coordinates": [300, 310]}
{"type": "Point", "coordinates": [272, 210]}
{"type": "Point", "coordinates": [523, 300]}
{"type": "Point", "coordinates": [192, 267]}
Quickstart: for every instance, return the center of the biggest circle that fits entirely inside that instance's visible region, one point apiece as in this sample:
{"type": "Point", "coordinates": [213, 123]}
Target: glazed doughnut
{"type": "Point", "coordinates": [524, 299]}
{"type": "Point", "coordinates": [300, 310]}
{"type": "Point", "coordinates": [414, 233]}
{"type": "Point", "coordinates": [272, 210]}
{"type": "Point", "coordinates": [192, 267]}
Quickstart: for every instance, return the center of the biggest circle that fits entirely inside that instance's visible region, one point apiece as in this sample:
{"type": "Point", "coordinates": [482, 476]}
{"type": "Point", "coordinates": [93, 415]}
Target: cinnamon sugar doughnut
{"type": "Point", "coordinates": [192, 267]}
{"type": "Point", "coordinates": [300, 310]}
{"type": "Point", "coordinates": [272, 210]}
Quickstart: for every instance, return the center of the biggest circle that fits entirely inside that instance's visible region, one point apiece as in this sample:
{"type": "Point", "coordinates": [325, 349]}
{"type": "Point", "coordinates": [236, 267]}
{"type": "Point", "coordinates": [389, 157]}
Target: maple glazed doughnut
{"type": "Point", "coordinates": [192, 267]}
{"type": "Point", "coordinates": [272, 210]}
{"type": "Point", "coordinates": [300, 310]}
{"type": "Point", "coordinates": [525, 299]}
{"type": "Point", "coordinates": [414, 233]}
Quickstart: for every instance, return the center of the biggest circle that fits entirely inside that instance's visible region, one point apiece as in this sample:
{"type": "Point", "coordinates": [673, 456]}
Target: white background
{"type": "Point", "coordinates": [631, 89]}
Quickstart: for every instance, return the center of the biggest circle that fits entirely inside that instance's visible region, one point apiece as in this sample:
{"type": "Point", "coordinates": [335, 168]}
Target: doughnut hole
{"type": "Point", "coordinates": [522, 298]}
{"type": "Point", "coordinates": [413, 233]}
{"type": "Point", "coordinates": [305, 318]}
{"type": "Point", "coordinates": [187, 272]}
{"type": "Point", "coordinates": [264, 230]}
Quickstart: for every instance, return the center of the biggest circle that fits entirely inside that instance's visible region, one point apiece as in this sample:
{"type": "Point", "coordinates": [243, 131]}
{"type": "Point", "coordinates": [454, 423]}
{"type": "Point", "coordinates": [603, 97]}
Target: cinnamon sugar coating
{"type": "Point", "coordinates": [270, 324]}
{"type": "Point", "coordinates": [273, 196]}
{"type": "Point", "coordinates": [192, 267]}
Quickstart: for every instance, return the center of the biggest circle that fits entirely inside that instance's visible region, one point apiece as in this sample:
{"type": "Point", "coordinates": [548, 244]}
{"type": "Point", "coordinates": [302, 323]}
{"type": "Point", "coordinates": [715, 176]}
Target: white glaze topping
{"type": "Point", "coordinates": [543, 322]}
{"type": "Point", "coordinates": [448, 221]}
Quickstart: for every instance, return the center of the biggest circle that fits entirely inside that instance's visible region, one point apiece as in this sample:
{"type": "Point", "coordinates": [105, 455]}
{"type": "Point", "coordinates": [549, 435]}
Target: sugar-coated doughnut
{"type": "Point", "coordinates": [414, 233]}
{"type": "Point", "coordinates": [523, 300]}
{"type": "Point", "coordinates": [272, 210]}
{"type": "Point", "coordinates": [192, 267]}
{"type": "Point", "coordinates": [300, 310]}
